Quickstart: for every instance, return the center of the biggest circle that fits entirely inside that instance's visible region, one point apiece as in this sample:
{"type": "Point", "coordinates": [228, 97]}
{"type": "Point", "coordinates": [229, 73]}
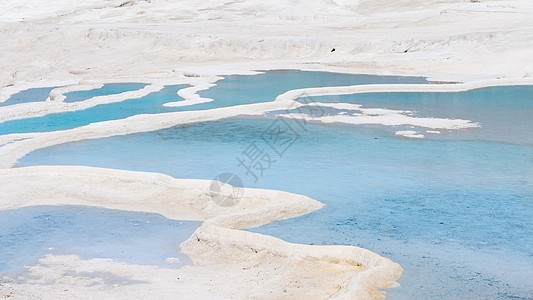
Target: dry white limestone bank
{"type": "Point", "coordinates": [115, 38]}
{"type": "Point", "coordinates": [218, 248]}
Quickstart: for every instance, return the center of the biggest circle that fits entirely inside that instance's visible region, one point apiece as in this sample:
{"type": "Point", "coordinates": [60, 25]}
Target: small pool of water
{"type": "Point", "coordinates": [27, 234]}
{"type": "Point", "coordinates": [106, 89]}
{"type": "Point", "coordinates": [30, 95]}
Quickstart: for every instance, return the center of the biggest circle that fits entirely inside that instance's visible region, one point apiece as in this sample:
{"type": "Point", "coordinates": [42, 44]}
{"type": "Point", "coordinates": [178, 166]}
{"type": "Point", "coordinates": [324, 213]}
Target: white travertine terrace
{"type": "Point", "coordinates": [87, 43]}
{"type": "Point", "coordinates": [456, 40]}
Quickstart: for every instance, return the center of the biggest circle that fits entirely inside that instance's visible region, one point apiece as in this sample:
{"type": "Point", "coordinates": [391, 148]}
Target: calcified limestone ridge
{"type": "Point", "coordinates": [217, 247]}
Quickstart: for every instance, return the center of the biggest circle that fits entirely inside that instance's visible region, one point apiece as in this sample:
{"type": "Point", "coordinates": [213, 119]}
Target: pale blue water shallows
{"type": "Point", "coordinates": [453, 209]}
{"type": "Point", "coordinates": [106, 89]}
{"type": "Point", "coordinates": [29, 95]}
{"type": "Point", "coordinates": [261, 88]}
{"type": "Point", "coordinates": [27, 234]}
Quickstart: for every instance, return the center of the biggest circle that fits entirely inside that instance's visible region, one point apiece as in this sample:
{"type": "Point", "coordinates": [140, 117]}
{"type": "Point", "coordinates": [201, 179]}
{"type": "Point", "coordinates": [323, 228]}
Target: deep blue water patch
{"type": "Point", "coordinates": [26, 234]}
{"type": "Point", "coordinates": [30, 95]}
{"type": "Point", "coordinates": [106, 89]}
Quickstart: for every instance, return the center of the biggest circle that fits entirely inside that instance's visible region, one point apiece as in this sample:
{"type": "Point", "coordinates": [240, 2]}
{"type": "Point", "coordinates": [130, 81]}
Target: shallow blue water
{"type": "Point", "coordinates": [26, 234]}
{"type": "Point", "coordinates": [106, 89]}
{"type": "Point", "coordinates": [29, 95]}
{"type": "Point", "coordinates": [454, 212]}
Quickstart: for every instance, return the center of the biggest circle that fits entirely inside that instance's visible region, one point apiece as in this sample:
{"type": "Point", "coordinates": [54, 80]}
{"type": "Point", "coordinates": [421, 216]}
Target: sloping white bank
{"type": "Point", "coordinates": [116, 38]}
{"type": "Point", "coordinates": [248, 264]}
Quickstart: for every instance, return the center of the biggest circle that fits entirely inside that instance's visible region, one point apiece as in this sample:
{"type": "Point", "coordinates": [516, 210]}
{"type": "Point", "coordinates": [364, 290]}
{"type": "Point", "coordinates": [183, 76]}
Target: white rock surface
{"type": "Point", "coordinates": [111, 39]}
